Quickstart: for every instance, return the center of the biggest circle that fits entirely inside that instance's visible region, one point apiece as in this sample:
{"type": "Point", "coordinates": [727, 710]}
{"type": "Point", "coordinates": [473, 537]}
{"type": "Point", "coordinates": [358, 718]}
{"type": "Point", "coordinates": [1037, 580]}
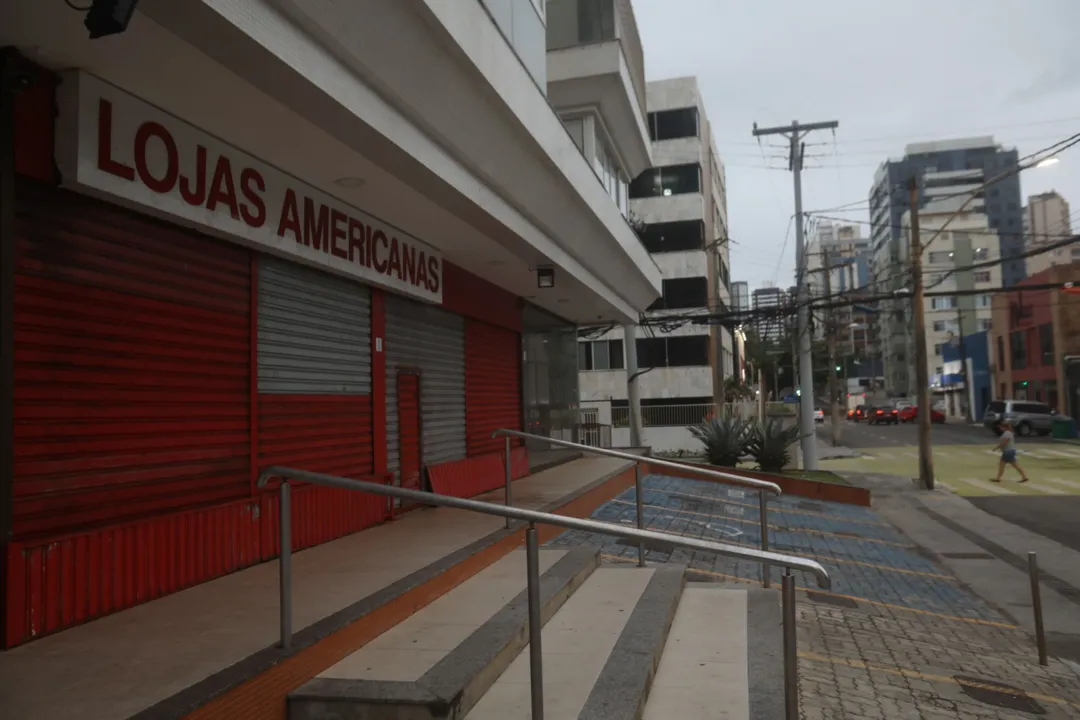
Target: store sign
{"type": "Point", "coordinates": [113, 145]}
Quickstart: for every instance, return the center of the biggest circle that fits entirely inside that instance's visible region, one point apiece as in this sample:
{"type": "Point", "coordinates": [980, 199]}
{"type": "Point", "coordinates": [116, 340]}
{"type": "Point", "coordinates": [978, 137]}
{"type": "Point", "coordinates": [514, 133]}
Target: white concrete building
{"type": "Point", "coordinates": [769, 329]}
{"type": "Point", "coordinates": [682, 207]}
{"type": "Point", "coordinates": [947, 260]}
{"type": "Point", "coordinates": [1047, 220]}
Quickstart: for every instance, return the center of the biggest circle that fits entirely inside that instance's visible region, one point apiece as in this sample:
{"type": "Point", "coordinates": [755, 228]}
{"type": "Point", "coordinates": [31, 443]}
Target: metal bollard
{"type": "Point", "coordinates": [509, 491]}
{"type": "Point", "coordinates": [1036, 606]}
{"type": "Point", "coordinates": [285, 565]}
{"type": "Point", "coordinates": [791, 654]}
{"type": "Point", "coordinates": [536, 653]}
{"type": "Point", "coordinates": [640, 514]}
{"type": "Point", "coordinates": [763, 518]}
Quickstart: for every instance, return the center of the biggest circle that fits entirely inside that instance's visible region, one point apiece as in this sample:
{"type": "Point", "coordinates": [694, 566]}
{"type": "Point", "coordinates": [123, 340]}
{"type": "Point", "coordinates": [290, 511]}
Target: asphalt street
{"type": "Point", "coordinates": [1049, 505]}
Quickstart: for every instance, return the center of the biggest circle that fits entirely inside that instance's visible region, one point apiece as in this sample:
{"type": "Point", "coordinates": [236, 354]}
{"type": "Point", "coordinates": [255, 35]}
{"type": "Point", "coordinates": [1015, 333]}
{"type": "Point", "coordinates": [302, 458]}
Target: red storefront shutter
{"type": "Point", "coordinates": [132, 366]}
{"type": "Point", "coordinates": [492, 384]}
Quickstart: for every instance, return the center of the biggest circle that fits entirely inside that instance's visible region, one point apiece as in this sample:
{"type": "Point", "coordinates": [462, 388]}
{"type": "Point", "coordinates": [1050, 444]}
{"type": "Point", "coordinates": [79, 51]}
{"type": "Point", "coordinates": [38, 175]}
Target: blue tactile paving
{"type": "Point", "coordinates": [865, 556]}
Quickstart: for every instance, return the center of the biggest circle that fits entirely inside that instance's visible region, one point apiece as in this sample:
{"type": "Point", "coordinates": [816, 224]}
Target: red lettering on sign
{"type": "Point", "coordinates": [290, 217]}
{"type": "Point", "coordinates": [408, 263]}
{"type": "Point", "coordinates": [222, 189]}
{"type": "Point", "coordinates": [421, 269]}
{"type": "Point", "coordinates": [105, 159]}
{"type": "Point", "coordinates": [198, 195]}
{"type": "Point", "coordinates": [254, 210]}
{"type": "Point", "coordinates": [433, 274]}
{"type": "Point", "coordinates": [338, 226]}
{"type": "Point", "coordinates": [356, 242]}
{"type": "Point", "coordinates": [316, 225]}
{"type": "Point", "coordinates": [167, 181]}
{"type": "Point", "coordinates": [378, 238]}
{"type": "Point", "coordinates": [393, 265]}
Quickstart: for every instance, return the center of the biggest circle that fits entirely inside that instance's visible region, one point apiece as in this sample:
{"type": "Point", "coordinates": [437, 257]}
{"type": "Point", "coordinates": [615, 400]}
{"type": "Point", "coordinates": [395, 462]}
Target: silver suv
{"type": "Point", "coordinates": [1026, 417]}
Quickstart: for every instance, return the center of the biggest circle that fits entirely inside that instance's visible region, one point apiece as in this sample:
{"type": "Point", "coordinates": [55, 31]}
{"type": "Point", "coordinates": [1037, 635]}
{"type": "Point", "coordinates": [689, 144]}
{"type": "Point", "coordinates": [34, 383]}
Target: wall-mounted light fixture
{"type": "Point", "coordinates": [545, 276]}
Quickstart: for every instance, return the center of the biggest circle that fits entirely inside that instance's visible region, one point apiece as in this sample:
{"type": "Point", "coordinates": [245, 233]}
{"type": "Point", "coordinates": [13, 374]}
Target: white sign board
{"type": "Point", "coordinates": [114, 145]}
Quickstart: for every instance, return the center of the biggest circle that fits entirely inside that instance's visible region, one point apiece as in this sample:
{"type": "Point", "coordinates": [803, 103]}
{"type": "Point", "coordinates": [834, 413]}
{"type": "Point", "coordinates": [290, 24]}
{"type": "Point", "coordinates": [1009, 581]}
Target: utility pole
{"type": "Point", "coordinates": [922, 382]}
{"type": "Point", "coordinates": [795, 134]}
{"type": "Point", "coordinates": [968, 397]}
{"type": "Point", "coordinates": [830, 340]}
{"type": "Point", "coordinates": [633, 390]}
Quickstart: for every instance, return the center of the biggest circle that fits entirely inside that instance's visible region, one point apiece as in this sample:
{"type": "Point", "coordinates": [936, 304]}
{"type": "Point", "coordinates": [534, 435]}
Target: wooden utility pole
{"type": "Point", "coordinates": [830, 341]}
{"type": "Point", "coordinates": [922, 382]}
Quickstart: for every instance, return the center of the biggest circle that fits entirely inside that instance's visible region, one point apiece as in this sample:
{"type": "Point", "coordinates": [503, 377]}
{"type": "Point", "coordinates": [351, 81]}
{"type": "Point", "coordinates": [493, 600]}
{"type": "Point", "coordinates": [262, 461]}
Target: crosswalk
{"type": "Point", "coordinates": [967, 469]}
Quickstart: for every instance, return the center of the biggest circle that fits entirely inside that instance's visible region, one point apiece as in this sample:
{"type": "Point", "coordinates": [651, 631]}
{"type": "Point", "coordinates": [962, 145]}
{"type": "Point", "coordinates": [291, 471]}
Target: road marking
{"type": "Point", "coordinates": [1061, 453]}
{"type": "Point", "coordinates": [905, 672]}
{"type": "Point", "coordinates": [995, 488]}
{"type": "Point", "coordinates": [1069, 484]}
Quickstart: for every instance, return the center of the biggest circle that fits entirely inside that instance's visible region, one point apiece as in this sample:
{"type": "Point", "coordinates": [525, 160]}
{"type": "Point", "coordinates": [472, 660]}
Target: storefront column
{"type": "Point", "coordinates": [632, 391]}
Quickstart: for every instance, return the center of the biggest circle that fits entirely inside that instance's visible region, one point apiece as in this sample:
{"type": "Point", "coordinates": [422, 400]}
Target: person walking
{"type": "Point", "coordinates": [1007, 446]}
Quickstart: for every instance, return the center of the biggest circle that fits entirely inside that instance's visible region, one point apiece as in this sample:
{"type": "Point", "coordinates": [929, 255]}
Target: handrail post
{"type": "Point", "coordinates": [1036, 606]}
{"type": "Point", "coordinates": [791, 655]}
{"type": "Point", "coordinates": [509, 491]}
{"type": "Point", "coordinates": [640, 513]}
{"type": "Point", "coordinates": [763, 518]}
{"type": "Point", "coordinates": [285, 565]}
{"type": "Point", "coordinates": [536, 654]}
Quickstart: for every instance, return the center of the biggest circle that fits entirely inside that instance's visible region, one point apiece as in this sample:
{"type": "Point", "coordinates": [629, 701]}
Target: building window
{"type": "Point", "coordinates": [982, 276]}
{"type": "Point", "coordinates": [689, 351]}
{"type": "Point", "coordinates": [943, 303]}
{"type": "Point", "coordinates": [984, 324]}
{"type": "Point", "coordinates": [576, 128]}
{"type": "Point", "coordinates": [981, 253]}
{"type": "Point", "coordinates": [940, 258]}
{"type": "Point", "coordinates": [937, 349]}
{"type": "Point", "coordinates": [1001, 355]}
{"type": "Point", "coordinates": [1018, 350]}
{"type": "Point", "coordinates": [611, 176]}
{"type": "Point", "coordinates": [672, 124]}
{"type": "Point", "coordinates": [1046, 343]}
{"type": "Point", "coordinates": [683, 293]}
{"type": "Point", "coordinates": [674, 236]}
{"type": "Point", "coordinates": [600, 355]}
{"type": "Point", "coordinates": [664, 181]}
{"type": "Point", "coordinates": [983, 301]}
{"type": "Point", "coordinates": [939, 326]}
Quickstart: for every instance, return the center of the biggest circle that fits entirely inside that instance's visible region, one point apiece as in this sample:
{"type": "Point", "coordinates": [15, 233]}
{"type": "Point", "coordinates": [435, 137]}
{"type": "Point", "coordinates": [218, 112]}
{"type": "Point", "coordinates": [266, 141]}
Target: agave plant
{"type": "Point", "coordinates": [724, 439]}
{"type": "Point", "coordinates": [769, 442]}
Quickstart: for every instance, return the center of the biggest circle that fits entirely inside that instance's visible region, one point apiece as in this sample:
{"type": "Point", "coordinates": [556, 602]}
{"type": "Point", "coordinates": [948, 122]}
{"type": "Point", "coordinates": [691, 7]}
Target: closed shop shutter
{"type": "Point", "coordinates": [432, 341]}
{"type": "Point", "coordinates": [492, 385]}
{"type": "Point", "coordinates": [132, 366]}
{"type": "Point", "coordinates": [314, 355]}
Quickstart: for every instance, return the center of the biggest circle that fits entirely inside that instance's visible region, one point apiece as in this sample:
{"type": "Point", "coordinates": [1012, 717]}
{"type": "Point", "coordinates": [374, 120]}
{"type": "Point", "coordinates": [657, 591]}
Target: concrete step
{"type": "Point", "coordinates": [441, 660]}
{"type": "Point", "coordinates": [723, 659]}
{"type": "Point", "coordinates": [600, 651]}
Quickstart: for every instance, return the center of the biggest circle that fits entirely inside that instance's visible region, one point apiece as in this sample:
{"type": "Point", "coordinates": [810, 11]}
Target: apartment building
{"type": "Point", "coordinates": [768, 323]}
{"type": "Point", "coordinates": [943, 169]}
{"type": "Point", "coordinates": [967, 240]}
{"type": "Point", "coordinates": [680, 207]}
{"type": "Point", "coordinates": [1047, 220]}
{"type": "Point", "coordinates": [740, 296]}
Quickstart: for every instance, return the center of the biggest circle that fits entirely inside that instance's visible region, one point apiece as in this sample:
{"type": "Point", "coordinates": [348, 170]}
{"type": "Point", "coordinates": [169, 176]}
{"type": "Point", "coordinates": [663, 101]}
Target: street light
{"type": "Point", "coordinates": [1047, 162]}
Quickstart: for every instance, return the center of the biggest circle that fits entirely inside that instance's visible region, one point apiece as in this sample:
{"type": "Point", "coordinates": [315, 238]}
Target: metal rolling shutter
{"type": "Point", "coordinates": [132, 366]}
{"type": "Point", "coordinates": [493, 384]}
{"type": "Point", "coordinates": [433, 341]}
{"type": "Point", "coordinates": [314, 332]}
{"type": "Point", "coordinates": [314, 353]}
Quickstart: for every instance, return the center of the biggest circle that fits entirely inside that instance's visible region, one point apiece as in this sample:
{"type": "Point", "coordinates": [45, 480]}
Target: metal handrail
{"type": "Point", "coordinates": [763, 486]}
{"type": "Point", "coordinates": [532, 517]}
{"type": "Point", "coordinates": [704, 472]}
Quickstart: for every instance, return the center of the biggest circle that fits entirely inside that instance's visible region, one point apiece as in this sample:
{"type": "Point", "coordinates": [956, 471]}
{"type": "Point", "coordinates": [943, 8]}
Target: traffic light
{"type": "Point", "coordinates": [837, 368]}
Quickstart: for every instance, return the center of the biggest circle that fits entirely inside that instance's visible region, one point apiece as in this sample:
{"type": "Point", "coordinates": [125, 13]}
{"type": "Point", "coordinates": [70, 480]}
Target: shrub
{"type": "Point", "coordinates": [724, 439]}
{"type": "Point", "coordinates": [769, 443]}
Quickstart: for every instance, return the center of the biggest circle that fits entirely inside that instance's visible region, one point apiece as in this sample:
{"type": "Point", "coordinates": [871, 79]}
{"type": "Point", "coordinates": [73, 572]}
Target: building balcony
{"type": "Point", "coordinates": [595, 62]}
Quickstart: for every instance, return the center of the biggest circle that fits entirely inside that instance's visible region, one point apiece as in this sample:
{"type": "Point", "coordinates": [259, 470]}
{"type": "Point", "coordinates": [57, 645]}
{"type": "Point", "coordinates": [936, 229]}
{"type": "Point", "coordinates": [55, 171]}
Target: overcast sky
{"type": "Point", "coordinates": [890, 72]}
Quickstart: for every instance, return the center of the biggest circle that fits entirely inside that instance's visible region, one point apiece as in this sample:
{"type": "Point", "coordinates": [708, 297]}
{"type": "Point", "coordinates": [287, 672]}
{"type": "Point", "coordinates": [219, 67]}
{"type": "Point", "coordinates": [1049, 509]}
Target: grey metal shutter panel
{"type": "Point", "coordinates": [433, 341]}
{"type": "Point", "coordinates": [314, 332]}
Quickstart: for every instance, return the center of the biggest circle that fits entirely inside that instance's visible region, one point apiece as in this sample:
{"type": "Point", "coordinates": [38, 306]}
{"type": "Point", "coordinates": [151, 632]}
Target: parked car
{"type": "Point", "coordinates": [910, 414]}
{"type": "Point", "coordinates": [1026, 416]}
{"type": "Point", "coordinates": [883, 414]}
{"type": "Point", "coordinates": [819, 415]}
{"type": "Point", "coordinates": [857, 413]}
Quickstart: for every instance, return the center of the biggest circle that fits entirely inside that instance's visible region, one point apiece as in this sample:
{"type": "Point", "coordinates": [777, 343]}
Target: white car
{"type": "Point", "coordinates": [819, 415]}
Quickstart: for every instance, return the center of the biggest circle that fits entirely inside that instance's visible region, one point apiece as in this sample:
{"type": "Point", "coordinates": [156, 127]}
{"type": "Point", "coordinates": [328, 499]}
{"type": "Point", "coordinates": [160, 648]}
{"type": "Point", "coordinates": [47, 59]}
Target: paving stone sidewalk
{"type": "Point", "coordinates": [898, 636]}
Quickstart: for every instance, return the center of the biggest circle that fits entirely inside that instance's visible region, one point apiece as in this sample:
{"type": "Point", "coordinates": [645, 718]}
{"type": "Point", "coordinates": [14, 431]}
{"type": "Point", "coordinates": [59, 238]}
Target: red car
{"type": "Point", "coordinates": [911, 413]}
{"type": "Point", "coordinates": [857, 414]}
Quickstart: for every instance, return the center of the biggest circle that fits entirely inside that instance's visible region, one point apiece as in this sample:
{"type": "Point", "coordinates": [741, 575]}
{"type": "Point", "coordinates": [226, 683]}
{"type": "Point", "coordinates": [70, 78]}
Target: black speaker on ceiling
{"type": "Point", "coordinates": [109, 17]}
